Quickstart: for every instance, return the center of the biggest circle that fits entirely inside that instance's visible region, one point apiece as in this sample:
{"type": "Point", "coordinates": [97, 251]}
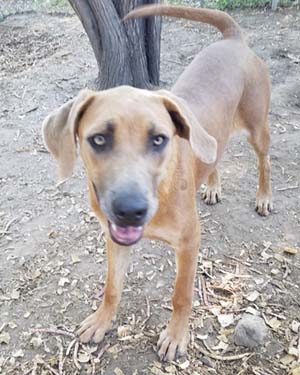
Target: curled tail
{"type": "Point", "coordinates": [221, 20]}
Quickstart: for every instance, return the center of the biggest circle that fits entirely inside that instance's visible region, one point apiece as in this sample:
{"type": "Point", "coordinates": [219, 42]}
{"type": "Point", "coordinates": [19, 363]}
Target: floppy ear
{"type": "Point", "coordinates": [188, 127]}
{"type": "Point", "coordinates": [60, 129]}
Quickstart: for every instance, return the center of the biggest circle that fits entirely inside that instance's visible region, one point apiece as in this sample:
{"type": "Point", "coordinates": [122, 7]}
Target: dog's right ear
{"type": "Point", "coordinates": [60, 130]}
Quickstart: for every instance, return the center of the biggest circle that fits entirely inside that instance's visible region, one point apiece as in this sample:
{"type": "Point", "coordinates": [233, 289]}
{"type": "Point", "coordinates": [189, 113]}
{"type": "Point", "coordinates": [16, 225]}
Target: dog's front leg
{"type": "Point", "coordinates": [174, 339]}
{"type": "Point", "coordinates": [96, 325]}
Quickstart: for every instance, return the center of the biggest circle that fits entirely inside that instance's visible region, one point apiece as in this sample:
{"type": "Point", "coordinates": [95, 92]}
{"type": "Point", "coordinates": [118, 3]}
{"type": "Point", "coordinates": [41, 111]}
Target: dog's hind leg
{"type": "Point", "coordinates": [260, 140]}
{"type": "Point", "coordinates": [253, 111]}
{"type": "Point", "coordinates": [212, 191]}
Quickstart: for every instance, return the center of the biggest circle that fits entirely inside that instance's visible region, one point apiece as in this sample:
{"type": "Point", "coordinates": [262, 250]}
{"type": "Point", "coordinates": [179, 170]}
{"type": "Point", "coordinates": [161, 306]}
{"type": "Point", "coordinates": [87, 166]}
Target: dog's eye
{"type": "Point", "coordinates": [159, 141]}
{"type": "Point", "coordinates": [99, 140]}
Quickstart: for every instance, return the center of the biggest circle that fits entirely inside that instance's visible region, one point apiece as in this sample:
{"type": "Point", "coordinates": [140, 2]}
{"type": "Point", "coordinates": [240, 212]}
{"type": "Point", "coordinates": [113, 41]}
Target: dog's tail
{"type": "Point", "coordinates": [221, 20]}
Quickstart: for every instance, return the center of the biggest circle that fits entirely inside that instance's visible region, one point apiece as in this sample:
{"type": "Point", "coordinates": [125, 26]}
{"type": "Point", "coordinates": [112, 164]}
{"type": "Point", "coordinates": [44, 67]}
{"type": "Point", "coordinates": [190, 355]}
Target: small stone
{"type": "Point", "coordinates": [251, 331]}
{"type": "Point", "coordinates": [295, 326]}
{"type": "Point", "coordinates": [295, 371]}
{"type": "Point", "coordinates": [207, 362]}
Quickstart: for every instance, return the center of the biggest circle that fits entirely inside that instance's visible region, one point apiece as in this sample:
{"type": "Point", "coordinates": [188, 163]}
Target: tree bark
{"type": "Point", "coordinates": [127, 53]}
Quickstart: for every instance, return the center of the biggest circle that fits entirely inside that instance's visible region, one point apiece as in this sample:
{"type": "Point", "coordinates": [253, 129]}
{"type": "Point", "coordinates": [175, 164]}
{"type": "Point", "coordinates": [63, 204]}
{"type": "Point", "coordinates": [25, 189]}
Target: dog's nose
{"type": "Point", "coordinates": [130, 209]}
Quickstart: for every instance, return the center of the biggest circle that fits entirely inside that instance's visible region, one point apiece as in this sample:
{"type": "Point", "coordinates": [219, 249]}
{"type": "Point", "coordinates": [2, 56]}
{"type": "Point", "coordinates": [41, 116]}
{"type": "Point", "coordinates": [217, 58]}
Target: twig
{"type": "Point", "coordinates": [167, 307]}
{"type": "Point", "coordinates": [60, 356]}
{"type": "Point", "coordinates": [35, 367]}
{"type": "Point", "coordinates": [222, 289]}
{"type": "Point", "coordinates": [148, 308]}
{"type": "Point", "coordinates": [233, 357]}
{"type": "Point", "coordinates": [2, 327]}
{"type": "Point", "coordinates": [48, 367]}
{"type": "Point", "coordinates": [203, 290]}
{"type": "Point", "coordinates": [288, 188]}
{"type": "Point", "coordinates": [93, 366]}
{"type": "Point", "coordinates": [5, 230]}
{"type": "Point", "coordinates": [60, 183]}
{"type": "Point", "coordinates": [238, 260]}
{"type": "Point", "coordinates": [53, 332]}
{"type": "Point", "coordinates": [200, 290]}
{"type": "Point", "coordinates": [28, 371]}
{"type": "Point", "coordinates": [102, 351]}
{"type": "Point", "coordinates": [70, 346]}
{"type": "Point", "coordinates": [75, 356]}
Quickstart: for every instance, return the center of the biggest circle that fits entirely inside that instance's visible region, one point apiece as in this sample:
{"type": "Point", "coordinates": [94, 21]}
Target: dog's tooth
{"type": "Point", "coordinates": [113, 226]}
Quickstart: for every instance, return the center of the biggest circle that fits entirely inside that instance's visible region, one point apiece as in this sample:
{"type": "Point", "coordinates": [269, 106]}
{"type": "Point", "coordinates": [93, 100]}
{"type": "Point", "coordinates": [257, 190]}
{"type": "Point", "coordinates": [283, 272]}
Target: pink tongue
{"type": "Point", "coordinates": [128, 235]}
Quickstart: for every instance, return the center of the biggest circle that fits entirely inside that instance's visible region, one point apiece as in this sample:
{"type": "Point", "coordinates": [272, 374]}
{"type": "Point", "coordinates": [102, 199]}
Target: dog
{"type": "Point", "coordinates": [147, 152]}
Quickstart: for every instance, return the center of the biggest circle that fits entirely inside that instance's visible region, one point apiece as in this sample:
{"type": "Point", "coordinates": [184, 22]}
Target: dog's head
{"type": "Point", "coordinates": [127, 138]}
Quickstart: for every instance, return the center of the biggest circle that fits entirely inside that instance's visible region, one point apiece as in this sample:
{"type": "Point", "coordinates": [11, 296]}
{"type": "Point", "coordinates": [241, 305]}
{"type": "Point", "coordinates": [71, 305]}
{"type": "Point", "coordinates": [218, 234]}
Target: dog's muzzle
{"type": "Point", "coordinates": [125, 236]}
{"type": "Point", "coordinates": [129, 211]}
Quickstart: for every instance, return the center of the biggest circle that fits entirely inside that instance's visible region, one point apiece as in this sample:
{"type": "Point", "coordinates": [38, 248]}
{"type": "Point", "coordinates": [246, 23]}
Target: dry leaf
{"type": "Point", "coordinates": [36, 341]}
{"type": "Point", "coordinates": [2, 361]}
{"type": "Point", "coordinates": [202, 337]}
{"type": "Point", "coordinates": [157, 371]}
{"type": "Point", "coordinates": [4, 338]}
{"type": "Point", "coordinates": [295, 371]}
{"type": "Point", "coordinates": [15, 294]}
{"type": "Point", "coordinates": [18, 353]}
{"type": "Point", "coordinates": [251, 297]}
{"type": "Point", "coordinates": [274, 323]}
{"type": "Point", "coordinates": [83, 357]}
{"type": "Point", "coordinates": [170, 369]}
{"type": "Point", "coordinates": [293, 351]}
{"type": "Point", "coordinates": [159, 284]}
{"type": "Point", "coordinates": [251, 310]}
{"type": "Point", "coordinates": [12, 325]}
{"type": "Point", "coordinates": [123, 331]}
{"type": "Point", "coordinates": [279, 257]}
{"type": "Point", "coordinates": [118, 371]}
{"type": "Point", "coordinates": [37, 273]}
{"type": "Point", "coordinates": [225, 320]}
{"type": "Point", "coordinates": [221, 346]}
{"type": "Point", "coordinates": [114, 349]}
{"type": "Point", "coordinates": [184, 365]}
{"type": "Point", "coordinates": [215, 310]}
{"type": "Point", "coordinates": [75, 259]}
{"type": "Point", "coordinates": [63, 281]}
{"type": "Point", "coordinates": [287, 359]}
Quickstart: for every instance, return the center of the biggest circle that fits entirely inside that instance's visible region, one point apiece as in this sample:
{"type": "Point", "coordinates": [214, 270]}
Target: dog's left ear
{"type": "Point", "coordinates": [203, 145]}
{"type": "Point", "coordinates": [60, 130]}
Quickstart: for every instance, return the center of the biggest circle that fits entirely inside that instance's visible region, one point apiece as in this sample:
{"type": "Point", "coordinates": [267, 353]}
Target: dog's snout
{"type": "Point", "coordinates": [130, 209]}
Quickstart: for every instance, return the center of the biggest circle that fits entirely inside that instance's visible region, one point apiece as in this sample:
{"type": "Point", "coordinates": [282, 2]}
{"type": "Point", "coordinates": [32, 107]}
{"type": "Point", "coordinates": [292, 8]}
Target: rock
{"type": "Point", "coordinates": [251, 331]}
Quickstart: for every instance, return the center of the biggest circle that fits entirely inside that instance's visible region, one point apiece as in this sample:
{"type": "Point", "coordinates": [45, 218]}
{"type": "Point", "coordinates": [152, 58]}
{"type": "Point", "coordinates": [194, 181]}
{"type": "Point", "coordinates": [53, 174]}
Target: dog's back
{"type": "Point", "coordinates": [225, 75]}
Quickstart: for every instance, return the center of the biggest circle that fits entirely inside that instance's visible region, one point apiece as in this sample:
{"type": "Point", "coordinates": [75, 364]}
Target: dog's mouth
{"type": "Point", "coordinates": [125, 236]}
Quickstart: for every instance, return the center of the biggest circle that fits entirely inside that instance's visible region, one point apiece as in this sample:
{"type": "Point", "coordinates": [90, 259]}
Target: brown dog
{"type": "Point", "coordinates": [146, 154]}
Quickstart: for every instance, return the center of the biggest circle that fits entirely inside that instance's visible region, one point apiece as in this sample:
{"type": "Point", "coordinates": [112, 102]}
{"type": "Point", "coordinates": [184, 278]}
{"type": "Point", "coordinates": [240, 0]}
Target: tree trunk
{"type": "Point", "coordinates": [127, 53]}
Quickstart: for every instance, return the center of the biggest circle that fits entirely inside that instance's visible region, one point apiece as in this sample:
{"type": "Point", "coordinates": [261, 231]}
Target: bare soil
{"type": "Point", "coordinates": [52, 258]}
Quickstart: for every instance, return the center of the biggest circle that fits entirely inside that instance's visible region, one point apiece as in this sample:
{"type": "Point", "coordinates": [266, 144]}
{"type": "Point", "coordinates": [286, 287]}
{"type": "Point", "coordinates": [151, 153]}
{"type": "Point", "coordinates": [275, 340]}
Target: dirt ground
{"type": "Point", "coordinates": [52, 255]}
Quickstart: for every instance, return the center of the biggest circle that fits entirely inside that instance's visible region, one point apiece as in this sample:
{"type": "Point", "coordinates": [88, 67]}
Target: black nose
{"type": "Point", "coordinates": [130, 209]}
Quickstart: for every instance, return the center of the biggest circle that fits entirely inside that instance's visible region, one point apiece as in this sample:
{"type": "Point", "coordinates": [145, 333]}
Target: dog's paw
{"type": "Point", "coordinates": [264, 205]}
{"type": "Point", "coordinates": [211, 195]}
{"type": "Point", "coordinates": [95, 326]}
{"type": "Point", "coordinates": [172, 344]}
